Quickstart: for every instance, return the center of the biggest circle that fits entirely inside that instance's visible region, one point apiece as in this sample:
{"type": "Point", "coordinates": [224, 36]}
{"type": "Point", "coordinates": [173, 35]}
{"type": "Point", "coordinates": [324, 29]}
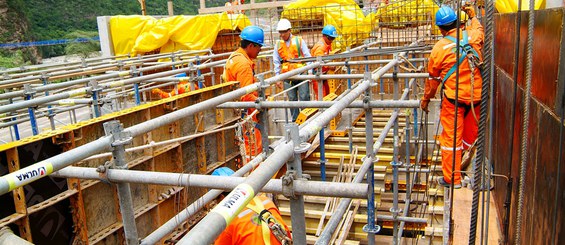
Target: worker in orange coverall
{"type": "Point", "coordinates": [260, 222]}
{"type": "Point", "coordinates": [441, 67]}
{"type": "Point", "coordinates": [321, 48]}
{"type": "Point", "coordinates": [240, 67]}
{"type": "Point", "coordinates": [234, 3]}
{"type": "Point", "coordinates": [182, 87]}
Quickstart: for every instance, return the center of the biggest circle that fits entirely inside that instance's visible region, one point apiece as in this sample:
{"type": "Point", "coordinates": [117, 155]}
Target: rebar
{"type": "Point", "coordinates": [525, 123]}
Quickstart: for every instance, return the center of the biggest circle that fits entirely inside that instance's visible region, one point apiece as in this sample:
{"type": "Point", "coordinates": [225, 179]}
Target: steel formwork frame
{"type": "Point", "coordinates": [286, 149]}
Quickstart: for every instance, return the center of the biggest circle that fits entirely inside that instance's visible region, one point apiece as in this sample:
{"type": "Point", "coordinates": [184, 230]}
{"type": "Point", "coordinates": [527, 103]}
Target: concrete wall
{"type": "Point", "coordinates": [543, 191]}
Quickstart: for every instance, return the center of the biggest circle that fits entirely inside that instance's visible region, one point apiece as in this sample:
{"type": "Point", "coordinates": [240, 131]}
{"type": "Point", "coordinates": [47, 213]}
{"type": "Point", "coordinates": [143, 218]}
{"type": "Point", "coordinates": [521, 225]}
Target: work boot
{"type": "Point", "coordinates": [442, 182]}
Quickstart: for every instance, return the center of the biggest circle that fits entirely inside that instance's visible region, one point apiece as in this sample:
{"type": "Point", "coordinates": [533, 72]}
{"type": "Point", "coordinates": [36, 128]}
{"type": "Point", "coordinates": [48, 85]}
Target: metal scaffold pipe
{"type": "Point", "coordinates": [302, 187]}
{"type": "Point", "coordinates": [358, 76]}
{"type": "Point", "coordinates": [321, 104]}
{"type": "Point", "coordinates": [196, 206]}
{"type": "Point", "coordinates": [332, 224]}
{"type": "Point", "coordinates": [216, 221]}
{"type": "Point", "coordinates": [11, 181]}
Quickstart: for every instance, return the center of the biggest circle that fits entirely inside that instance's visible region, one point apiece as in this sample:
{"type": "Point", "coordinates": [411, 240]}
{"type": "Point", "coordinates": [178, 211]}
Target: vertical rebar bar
{"type": "Point", "coordinates": [525, 124]}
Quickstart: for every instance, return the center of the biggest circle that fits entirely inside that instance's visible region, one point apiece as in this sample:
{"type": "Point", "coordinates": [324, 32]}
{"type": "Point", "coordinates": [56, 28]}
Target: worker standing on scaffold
{"type": "Point", "coordinates": [288, 48]}
{"type": "Point", "coordinates": [322, 48]}
{"type": "Point", "coordinates": [260, 222]}
{"type": "Point", "coordinates": [240, 67]}
{"type": "Point", "coordinates": [441, 67]}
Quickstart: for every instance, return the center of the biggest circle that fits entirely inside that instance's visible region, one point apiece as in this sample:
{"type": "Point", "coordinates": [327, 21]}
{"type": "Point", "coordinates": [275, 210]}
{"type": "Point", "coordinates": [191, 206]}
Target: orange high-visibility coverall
{"type": "Point", "coordinates": [442, 58]}
{"type": "Point", "coordinates": [245, 228]}
{"type": "Point", "coordinates": [235, 2]}
{"type": "Point", "coordinates": [183, 87]}
{"type": "Point", "coordinates": [239, 67]}
{"type": "Point", "coordinates": [321, 48]}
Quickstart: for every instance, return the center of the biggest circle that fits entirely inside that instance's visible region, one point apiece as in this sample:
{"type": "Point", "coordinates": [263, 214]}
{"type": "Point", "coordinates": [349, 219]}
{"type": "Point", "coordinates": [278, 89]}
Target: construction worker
{"type": "Point", "coordinates": [260, 222]}
{"type": "Point", "coordinates": [240, 67]}
{"type": "Point", "coordinates": [182, 87]}
{"type": "Point", "coordinates": [234, 3]}
{"type": "Point", "coordinates": [441, 68]}
{"type": "Point", "coordinates": [321, 48]}
{"type": "Point", "coordinates": [290, 47]}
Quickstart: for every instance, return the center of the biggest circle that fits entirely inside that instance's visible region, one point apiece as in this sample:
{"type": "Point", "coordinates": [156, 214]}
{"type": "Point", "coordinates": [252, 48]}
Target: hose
{"type": "Point", "coordinates": [477, 167]}
{"type": "Point", "coordinates": [525, 125]}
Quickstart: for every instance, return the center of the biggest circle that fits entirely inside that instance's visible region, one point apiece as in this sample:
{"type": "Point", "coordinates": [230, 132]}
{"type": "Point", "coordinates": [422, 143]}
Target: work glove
{"type": "Point", "coordinates": [470, 10]}
{"type": "Point", "coordinates": [424, 105]}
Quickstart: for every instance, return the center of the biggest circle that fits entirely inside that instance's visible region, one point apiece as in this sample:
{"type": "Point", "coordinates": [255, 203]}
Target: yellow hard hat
{"type": "Point", "coordinates": [463, 17]}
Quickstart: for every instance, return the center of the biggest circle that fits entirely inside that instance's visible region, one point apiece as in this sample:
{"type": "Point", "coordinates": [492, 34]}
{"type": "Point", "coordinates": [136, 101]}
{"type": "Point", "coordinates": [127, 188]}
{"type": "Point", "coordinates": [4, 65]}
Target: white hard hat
{"type": "Point", "coordinates": [283, 25]}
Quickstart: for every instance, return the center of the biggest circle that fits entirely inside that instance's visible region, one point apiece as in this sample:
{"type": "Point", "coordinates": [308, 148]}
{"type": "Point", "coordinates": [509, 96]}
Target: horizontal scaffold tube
{"type": "Point", "coordinates": [301, 187]}
{"type": "Point", "coordinates": [357, 76]}
{"type": "Point", "coordinates": [39, 170]}
{"type": "Point", "coordinates": [217, 220]}
{"type": "Point", "coordinates": [321, 104]}
{"type": "Point", "coordinates": [124, 73]}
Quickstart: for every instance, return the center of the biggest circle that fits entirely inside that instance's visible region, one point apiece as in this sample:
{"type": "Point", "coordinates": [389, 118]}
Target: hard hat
{"type": "Point", "coordinates": [445, 16]}
{"type": "Point", "coordinates": [463, 17]}
{"type": "Point", "coordinates": [223, 171]}
{"type": "Point", "coordinates": [253, 34]}
{"type": "Point", "coordinates": [283, 25]}
{"type": "Point", "coordinates": [330, 31]}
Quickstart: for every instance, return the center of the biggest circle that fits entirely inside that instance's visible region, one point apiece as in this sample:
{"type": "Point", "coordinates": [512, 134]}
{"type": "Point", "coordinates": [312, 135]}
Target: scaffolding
{"type": "Point", "coordinates": [373, 115]}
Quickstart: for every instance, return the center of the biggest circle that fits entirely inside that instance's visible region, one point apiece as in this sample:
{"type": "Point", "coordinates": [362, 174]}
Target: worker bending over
{"type": "Point", "coordinates": [260, 222]}
{"type": "Point", "coordinates": [321, 48]}
{"type": "Point", "coordinates": [441, 67]}
{"type": "Point", "coordinates": [240, 67]}
{"type": "Point", "coordinates": [290, 47]}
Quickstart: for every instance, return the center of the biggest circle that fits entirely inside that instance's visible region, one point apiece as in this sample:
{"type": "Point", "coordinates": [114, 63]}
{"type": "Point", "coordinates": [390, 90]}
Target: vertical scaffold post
{"type": "Point", "coordinates": [120, 139]}
{"type": "Point", "coordinates": [28, 92]}
{"type": "Point", "coordinates": [370, 228]}
{"type": "Point", "coordinates": [135, 73]}
{"type": "Point", "coordinates": [264, 120]}
{"type": "Point", "coordinates": [51, 115]}
{"type": "Point", "coordinates": [350, 117]}
{"type": "Point", "coordinates": [199, 73]}
{"type": "Point", "coordinates": [16, 130]}
{"type": "Point", "coordinates": [294, 171]}
{"type": "Point", "coordinates": [322, 131]}
{"type": "Point", "coordinates": [395, 163]}
{"type": "Point", "coordinates": [95, 97]}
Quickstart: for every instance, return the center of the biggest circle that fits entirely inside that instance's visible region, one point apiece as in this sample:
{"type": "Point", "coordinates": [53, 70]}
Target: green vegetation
{"type": "Point", "coordinates": [83, 50]}
{"type": "Point", "coordinates": [37, 20]}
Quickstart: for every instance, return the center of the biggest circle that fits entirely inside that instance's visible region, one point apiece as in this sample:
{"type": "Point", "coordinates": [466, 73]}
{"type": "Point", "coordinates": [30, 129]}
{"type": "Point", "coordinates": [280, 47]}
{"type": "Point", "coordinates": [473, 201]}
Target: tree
{"type": "Point", "coordinates": [85, 49]}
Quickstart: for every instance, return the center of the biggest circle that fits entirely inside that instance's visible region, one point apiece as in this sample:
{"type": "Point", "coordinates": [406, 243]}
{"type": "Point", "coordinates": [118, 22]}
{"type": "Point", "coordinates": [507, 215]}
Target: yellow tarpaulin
{"type": "Point", "coordinates": [402, 13]}
{"type": "Point", "coordinates": [511, 6]}
{"type": "Point", "coordinates": [139, 34]}
{"type": "Point", "coordinates": [345, 15]}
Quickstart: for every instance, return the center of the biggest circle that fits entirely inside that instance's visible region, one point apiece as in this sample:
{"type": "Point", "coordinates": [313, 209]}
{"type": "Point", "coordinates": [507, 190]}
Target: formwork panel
{"type": "Point", "coordinates": [145, 224]}
{"type": "Point", "coordinates": [100, 200]}
{"type": "Point", "coordinates": [53, 225]}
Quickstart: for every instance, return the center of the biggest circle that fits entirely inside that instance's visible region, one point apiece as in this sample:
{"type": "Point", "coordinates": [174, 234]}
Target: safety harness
{"type": "Point", "coordinates": [269, 224]}
{"type": "Point", "coordinates": [474, 62]}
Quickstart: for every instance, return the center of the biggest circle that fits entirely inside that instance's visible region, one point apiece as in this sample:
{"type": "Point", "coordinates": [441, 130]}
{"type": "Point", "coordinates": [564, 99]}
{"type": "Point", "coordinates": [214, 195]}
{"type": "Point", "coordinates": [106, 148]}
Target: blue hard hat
{"type": "Point", "coordinates": [330, 31]}
{"type": "Point", "coordinates": [445, 16]}
{"type": "Point", "coordinates": [223, 171]}
{"type": "Point", "coordinates": [253, 34]}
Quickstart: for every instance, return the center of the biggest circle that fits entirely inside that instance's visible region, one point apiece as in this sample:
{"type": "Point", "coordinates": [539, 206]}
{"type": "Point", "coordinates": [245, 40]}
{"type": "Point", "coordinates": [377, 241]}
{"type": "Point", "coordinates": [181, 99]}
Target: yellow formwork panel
{"type": "Point", "coordinates": [71, 127]}
{"type": "Point", "coordinates": [306, 113]}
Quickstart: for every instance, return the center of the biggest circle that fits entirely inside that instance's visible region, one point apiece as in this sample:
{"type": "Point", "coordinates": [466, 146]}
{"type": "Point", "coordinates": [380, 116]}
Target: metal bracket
{"type": "Point", "coordinates": [28, 90]}
{"type": "Point", "coordinates": [372, 230]}
{"type": "Point", "coordinates": [116, 130]}
{"type": "Point", "coordinates": [103, 171]}
{"type": "Point", "coordinates": [287, 184]}
{"type": "Point", "coordinates": [302, 147]}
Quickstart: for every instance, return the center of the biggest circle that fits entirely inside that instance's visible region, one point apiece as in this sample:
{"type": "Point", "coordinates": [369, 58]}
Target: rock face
{"type": "Point", "coordinates": [14, 27]}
